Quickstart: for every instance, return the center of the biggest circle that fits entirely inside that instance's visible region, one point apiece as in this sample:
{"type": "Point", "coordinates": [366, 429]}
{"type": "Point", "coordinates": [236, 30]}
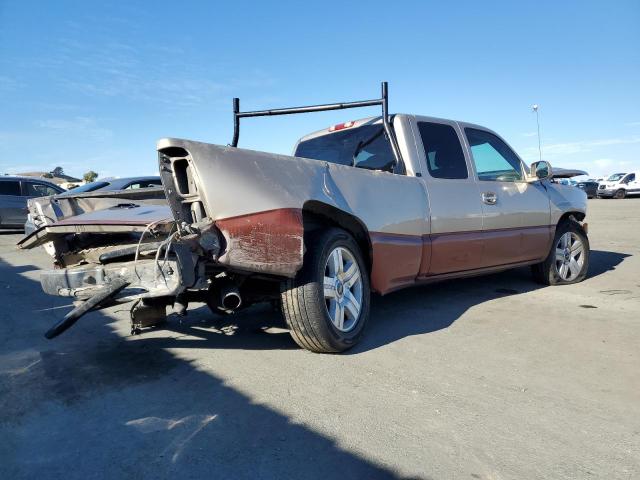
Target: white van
{"type": "Point", "coordinates": [619, 185]}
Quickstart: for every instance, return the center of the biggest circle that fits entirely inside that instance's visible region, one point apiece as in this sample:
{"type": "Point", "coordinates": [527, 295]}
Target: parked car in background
{"type": "Point", "coordinates": [567, 181]}
{"type": "Point", "coordinates": [14, 193]}
{"type": "Point", "coordinates": [619, 185]}
{"type": "Point", "coordinates": [112, 184]}
{"type": "Point", "coordinates": [590, 187]}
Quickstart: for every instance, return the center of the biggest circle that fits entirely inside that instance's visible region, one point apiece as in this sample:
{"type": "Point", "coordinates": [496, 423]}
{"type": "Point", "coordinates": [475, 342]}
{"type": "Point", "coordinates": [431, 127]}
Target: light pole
{"type": "Point", "coordinates": [535, 108]}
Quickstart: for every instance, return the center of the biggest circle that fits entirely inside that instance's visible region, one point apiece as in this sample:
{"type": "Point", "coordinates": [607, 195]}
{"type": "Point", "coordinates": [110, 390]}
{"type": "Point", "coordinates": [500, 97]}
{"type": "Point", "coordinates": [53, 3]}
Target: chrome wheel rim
{"type": "Point", "coordinates": [569, 256]}
{"type": "Point", "coordinates": [342, 289]}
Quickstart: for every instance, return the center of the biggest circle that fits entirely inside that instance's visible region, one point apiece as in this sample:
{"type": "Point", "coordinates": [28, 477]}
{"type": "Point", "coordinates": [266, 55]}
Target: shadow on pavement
{"type": "Point", "coordinates": [416, 311]}
{"type": "Point", "coordinates": [91, 401]}
{"type": "Point", "coordinates": [428, 308]}
{"type": "Point", "coordinates": [92, 404]}
{"type": "Point", "coordinates": [602, 261]}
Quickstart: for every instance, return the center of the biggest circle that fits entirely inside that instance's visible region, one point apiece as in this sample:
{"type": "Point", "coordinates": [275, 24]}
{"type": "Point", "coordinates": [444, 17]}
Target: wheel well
{"type": "Point", "coordinates": [579, 216]}
{"type": "Point", "coordinates": [318, 215]}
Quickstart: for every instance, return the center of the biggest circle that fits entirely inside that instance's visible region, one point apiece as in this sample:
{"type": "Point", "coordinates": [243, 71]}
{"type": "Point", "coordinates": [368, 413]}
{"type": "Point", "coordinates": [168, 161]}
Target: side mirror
{"type": "Point", "coordinates": [541, 170]}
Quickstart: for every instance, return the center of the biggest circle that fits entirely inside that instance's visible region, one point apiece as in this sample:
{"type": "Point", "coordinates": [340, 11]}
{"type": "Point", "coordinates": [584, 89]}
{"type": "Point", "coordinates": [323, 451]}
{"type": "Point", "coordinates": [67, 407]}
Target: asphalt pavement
{"type": "Point", "coordinates": [494, 377]}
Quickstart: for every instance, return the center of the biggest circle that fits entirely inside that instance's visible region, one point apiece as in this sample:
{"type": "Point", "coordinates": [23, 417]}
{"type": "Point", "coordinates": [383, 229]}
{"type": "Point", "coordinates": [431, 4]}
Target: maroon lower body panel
{"type": "Point", "coordinates": [452, 252]}
{"type": "Point", "coordinates": [402, 260]}
{"type": "Point", "coordinates": [396, 260]}
{"type": "Point", "coordinates": [273, 242]}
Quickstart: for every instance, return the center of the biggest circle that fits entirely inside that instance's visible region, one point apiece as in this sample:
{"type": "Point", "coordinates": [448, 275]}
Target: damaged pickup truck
{"type": "Point", "coordinates": [371, 205]}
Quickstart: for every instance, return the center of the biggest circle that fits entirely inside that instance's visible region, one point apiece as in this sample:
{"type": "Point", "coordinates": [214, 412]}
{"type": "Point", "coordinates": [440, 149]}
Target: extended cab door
{"type": "Point", "coordinates": [456, 214]}
{"type": "Point", "coordinates": [516, 214]}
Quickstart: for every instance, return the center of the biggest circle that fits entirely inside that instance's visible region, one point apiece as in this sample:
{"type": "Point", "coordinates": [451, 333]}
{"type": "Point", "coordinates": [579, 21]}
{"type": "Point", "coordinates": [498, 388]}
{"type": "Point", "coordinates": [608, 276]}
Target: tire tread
{"type": "Point", "coordinates": [303, 313]}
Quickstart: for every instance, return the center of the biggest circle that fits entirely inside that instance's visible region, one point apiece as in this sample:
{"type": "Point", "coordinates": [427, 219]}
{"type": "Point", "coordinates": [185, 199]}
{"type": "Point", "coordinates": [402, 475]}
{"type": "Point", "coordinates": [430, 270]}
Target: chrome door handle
{"type": "Point", "coordinates": [489, 198]}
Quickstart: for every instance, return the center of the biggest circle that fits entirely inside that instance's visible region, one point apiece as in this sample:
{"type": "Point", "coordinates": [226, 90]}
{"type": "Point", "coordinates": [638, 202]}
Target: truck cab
{"type": "Point", "coordinates": [480, 208]}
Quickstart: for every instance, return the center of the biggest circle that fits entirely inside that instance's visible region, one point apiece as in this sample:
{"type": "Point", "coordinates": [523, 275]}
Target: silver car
{"type": "Point", "coordinates": [113, 184]}
{"type": "Point", "coordinates": [14, 193]}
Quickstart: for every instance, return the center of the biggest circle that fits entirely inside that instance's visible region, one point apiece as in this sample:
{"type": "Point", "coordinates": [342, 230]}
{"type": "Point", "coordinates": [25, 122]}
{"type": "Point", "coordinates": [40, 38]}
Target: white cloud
{"type": "Point", "coordinates": [529, 134]}
{"type": "Point", "coordinates": [559, 150]}
{"type": "Point", "coordinates": [113, 69]}
{"type": "Point", "coordinates": [87, 126]}
{"type": "Point", "coordinates": [604, 162]}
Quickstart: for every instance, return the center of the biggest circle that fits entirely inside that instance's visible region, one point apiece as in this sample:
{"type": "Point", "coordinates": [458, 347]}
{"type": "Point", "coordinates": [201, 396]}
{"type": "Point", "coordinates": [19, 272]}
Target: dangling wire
{"type": "Point", "coordinates": [167, 247]}
{"type": "Point", "coordinates": [144, 232]}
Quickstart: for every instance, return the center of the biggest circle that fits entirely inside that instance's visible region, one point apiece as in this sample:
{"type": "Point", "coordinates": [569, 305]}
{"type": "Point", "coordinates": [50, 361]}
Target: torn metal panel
{"type": "Point", "coordinates": [112, 220]}
{"type": "Point", "coordinates": [126, 213]}
{"type": "Point", "coordinates": [47, 210]}
{"type": "Point", "coordinates": [51, 232]}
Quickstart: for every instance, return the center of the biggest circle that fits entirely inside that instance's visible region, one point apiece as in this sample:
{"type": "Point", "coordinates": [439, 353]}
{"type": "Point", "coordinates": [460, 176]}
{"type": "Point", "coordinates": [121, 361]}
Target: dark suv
{"type": "Point", "coordinates": [14, 193]}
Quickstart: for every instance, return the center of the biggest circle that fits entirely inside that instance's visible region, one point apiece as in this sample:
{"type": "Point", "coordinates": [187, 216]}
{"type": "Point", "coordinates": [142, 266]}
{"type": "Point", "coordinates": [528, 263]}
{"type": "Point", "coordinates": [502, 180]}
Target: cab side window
{"type": "Point", "coordinates": [630, 178]}
{"type": "Point", "coordinates": [39, 190]}
{"type": "Point", "coordinates": [493, 159]}
{"type": "Point", "coordinates": [443, 152]}
{"type": "Point", "coordinates": [10, 187]}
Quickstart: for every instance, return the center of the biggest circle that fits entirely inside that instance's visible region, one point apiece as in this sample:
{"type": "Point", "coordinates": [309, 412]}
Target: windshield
{"type": "Point", "coordinates": [88, 187]}
{"type": "Point", "coordinates": [615, 177]}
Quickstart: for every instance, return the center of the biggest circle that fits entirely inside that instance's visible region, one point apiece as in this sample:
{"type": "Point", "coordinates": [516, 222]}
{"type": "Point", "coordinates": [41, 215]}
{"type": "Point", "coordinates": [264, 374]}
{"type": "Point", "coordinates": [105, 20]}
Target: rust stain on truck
{"type": "Point", "coordinates": [269, 242]}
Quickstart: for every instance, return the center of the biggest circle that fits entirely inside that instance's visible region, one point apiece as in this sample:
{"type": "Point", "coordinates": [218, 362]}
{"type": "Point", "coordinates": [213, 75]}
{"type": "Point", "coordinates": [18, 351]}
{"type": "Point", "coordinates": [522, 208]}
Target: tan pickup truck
{"type": "Point", "coordinates": [371, 205]}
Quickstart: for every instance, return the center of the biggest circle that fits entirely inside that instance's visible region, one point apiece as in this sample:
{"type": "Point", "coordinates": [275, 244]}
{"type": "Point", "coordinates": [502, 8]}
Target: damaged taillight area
{"type": "Point", "coordinates": [180, 182]}
{"type": "Point", "coordinates": [267, 242]}
{"type": "Point", "coordinates": [186, 246]}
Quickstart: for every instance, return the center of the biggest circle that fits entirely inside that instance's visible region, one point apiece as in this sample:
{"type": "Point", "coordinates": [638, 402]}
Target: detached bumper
{"type": "Point", "coordinates": [146, 278]}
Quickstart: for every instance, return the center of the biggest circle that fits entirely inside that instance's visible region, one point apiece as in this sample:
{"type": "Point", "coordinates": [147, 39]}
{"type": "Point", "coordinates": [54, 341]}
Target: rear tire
{"type": "Point", "coordinates": [620, 194]}
{"type": "Point", "coordinates": [326, 306]}
{"type": "Point", "coordinates": [568, 260]}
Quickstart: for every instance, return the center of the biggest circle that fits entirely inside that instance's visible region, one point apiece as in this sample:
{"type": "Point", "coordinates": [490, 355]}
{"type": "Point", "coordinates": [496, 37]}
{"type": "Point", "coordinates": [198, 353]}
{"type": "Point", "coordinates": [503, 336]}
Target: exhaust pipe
{"type": "Point", "coordinates": [230, 298]}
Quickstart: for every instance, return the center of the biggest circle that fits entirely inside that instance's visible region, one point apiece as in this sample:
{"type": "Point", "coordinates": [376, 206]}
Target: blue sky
{"type": "Point", "coordinates": [93, 85]}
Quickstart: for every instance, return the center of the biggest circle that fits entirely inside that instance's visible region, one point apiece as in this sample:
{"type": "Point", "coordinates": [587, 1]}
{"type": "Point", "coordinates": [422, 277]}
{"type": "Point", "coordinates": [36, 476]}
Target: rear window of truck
{"type": "Point", "coordinates": [363, 147]}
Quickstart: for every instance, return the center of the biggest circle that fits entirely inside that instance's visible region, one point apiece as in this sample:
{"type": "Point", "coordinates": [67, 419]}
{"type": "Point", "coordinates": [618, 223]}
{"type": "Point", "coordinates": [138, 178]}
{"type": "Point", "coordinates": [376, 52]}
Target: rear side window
{"type": "Point", "coordinates": [144, 184]}
{"type": "Point", "coordinates": [39, 190]}
{"type": "Point", "coordinates": [443, 151]}
{"type": "Point", "coordinates": [88, 187]}
{"type": "Point", "coordinates": [362, 147]}
{"type": "Point", "coordinates": [9, 187]}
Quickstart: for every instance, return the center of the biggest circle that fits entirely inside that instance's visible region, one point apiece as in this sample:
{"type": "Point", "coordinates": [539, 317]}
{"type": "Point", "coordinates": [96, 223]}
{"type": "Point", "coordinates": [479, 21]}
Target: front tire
{"type": "Point", "coordinates": [327, 305]}
{"type": "Point", "coordinates": [568, 260]}
{"type": "Point", "coordinates": [620, 194]}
